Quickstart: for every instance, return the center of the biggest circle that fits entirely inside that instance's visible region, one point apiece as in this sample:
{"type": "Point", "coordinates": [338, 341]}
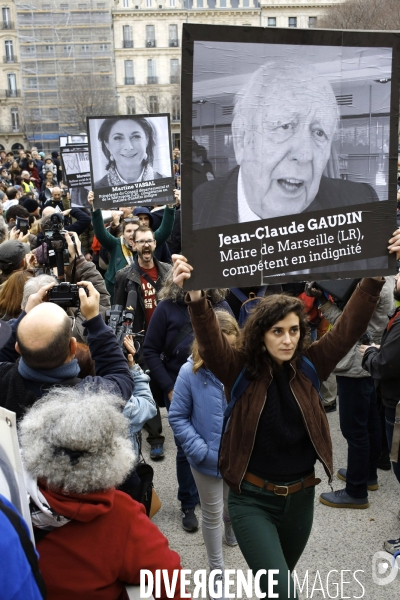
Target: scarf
{"type": "Point", "coordinates": [68, 370]}
{"type": "Point", "coordinates": [114, 178]}
{"type": "Point", "coordinates": [42, 515]}
{"type": "Point", "coordinates": [126, 250]}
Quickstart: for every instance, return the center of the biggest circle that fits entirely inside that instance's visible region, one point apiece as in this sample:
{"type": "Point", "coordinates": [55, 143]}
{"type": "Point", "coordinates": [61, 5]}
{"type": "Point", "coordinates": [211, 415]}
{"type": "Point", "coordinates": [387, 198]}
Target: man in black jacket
{"type": "Point", "coordinates": [144, 277]}
{"type": "Point", "coordinates": [42, 338]}
{"type": "Point", "coordinates": [382, 362]}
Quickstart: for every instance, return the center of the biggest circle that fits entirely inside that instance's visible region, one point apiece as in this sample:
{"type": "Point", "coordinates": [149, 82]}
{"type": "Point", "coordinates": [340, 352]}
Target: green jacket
{"type": "Point", "coordinates": [113, 244]}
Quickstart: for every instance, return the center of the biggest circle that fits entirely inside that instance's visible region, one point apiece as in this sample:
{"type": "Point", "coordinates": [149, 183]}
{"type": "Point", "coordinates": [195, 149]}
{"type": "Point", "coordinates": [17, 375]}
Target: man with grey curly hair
{"type": "Point", "coordinates": [284, 123]}
{"type": "Point", "coordinates": [92, 539]}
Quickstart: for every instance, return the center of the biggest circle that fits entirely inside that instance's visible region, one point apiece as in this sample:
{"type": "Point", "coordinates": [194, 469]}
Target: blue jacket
{"type": "Point", "coordinates": [141, 406]}
{"type": "Point", "coordinates": [16, 578]}
{"type": "Point", "coordinates": [196, 416]}
{"type": "Point", "coordinates": [169, 318]}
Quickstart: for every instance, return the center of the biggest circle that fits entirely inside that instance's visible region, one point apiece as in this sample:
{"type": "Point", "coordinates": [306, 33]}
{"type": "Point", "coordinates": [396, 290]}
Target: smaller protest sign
{"type": "Point", "coordinates": [76, 165]}
{"type": "Point", "coordinates": [63, 140]}
{"type": "Point", "coordinates": [130, 160]}
{"type": "Point", "coordinates": [77, 139]}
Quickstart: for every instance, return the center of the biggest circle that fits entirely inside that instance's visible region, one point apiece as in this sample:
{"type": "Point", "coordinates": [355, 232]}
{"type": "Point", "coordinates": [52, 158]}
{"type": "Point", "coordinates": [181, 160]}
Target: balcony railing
{"type": "Point", "coordinates": [127, 44]}
{"type": "Point", "coordinates": [151, 43]}
{"type": "Point", "coordinates": [129, 81]}
{"type": "Point", "coordinates": [173, 43]}
{"type": "Point", "coordinates": [151, 80]}
{"type": "Point", "coordinates": [7, 25]}
{"type": "Point", "coordinates": [13, 93]}
{"type": "Point", "coordinates": [174, 79]}
{"type": "Point", "coordinates": [10, 59]}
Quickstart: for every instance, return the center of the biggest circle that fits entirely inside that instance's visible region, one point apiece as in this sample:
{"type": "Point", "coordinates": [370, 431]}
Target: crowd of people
{"type": "Point", "coordinates": [96, 334]}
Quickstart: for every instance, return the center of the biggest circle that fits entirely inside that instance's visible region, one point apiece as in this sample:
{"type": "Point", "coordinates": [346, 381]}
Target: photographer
{"type": "Point", "coordinates": [43, 338]}
{"type": "Point", "coordinates": [84, 271]}
{"type": "Point", "coordinates": [80, 225]}
{"type": "Point", "coordinates": [359, 416]}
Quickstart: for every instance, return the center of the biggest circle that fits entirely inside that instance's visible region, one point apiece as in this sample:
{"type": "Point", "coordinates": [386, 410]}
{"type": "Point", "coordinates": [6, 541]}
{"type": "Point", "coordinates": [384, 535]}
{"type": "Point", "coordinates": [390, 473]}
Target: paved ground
{"type": "Point", "coordinates": [341, 539]}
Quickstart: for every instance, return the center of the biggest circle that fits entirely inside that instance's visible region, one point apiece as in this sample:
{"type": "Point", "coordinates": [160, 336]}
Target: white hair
{"type": "Point", "coordinates": [76, 440]}
{"type": "Point", "coordinates": [33, 285]}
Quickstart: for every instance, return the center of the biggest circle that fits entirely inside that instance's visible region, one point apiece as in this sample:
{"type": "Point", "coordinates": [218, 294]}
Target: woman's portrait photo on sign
{"type": "Point", "coordinates": [129, 149]}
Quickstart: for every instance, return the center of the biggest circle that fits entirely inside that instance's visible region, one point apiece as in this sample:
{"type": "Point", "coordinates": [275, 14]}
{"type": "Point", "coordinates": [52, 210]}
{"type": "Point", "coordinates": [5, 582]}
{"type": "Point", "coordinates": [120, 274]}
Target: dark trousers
{"type": "Point", "coordinates": [360, 425]}
{"type": "Point", "coordinates": [390, 414]}
{"type": "Point", "coordinates": [272, 531]}
{"type": "Point", "coordinates": [153, 426]}
{"type": "Point", "coordinates": [187, 491]}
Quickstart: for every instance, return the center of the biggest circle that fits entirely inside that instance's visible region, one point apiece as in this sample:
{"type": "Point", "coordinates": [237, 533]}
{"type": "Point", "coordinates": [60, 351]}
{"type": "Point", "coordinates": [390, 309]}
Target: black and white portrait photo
{"type": "Point", "coordinates": [131, 159]}
{"type": "Point", "coordinates": [287, 124]}
{"type": "Point", "coordinates": [77, 139]}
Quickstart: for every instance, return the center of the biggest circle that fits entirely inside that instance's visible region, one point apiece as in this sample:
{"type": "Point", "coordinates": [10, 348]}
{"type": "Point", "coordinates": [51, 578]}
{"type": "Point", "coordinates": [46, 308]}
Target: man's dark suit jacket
{"type": "Point", "coordinates": [215, 203]}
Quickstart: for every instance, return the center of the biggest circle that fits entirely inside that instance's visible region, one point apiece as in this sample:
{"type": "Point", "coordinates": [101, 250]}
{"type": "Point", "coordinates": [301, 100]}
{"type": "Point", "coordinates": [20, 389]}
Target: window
{"type": "Point", "coordinates": [199, 3]}
{"type": "Point", "coordinates": [29, 49]}
{"type": "Point", "coordinates": [49, 49]}
{"type": "Point", "coordinates": [312, 21]}
{"type": "Point", "coordinates": [6, 18]}
{"type": "Point", "coordinates": [271, 21]}
{"type": "Point", "coordinates": [222, 3]}
{"type": "Point", "coordinates": [51, 82]}
{"type": "Point", "coordinates": [64, 6]}
{"type": "Point", "coordinates": [151, 71]}
{"type": "Point", "coordinates": [101, 5]}
{"type": "Point", "coordinates": [103, 47]}
{"type": "Point", "coordinates": [149, 3]}
{"type": "Point", "coordinates": [150, 36]}
{"type": "Point", "coordinates": [9, 49]}
{"type": "Point", "coordinates": [82, 6]}
{"type": "Point", "coordinates": [173, 36]}
{"type": "Point", "coordinates": [172, 3]}
{"type": "Point", "coordinates": [53, 113]}
{"type": "Point", "coordinates": [174, 70]}
{"type": "Point", "coordinates": [105, 79]}
{"type": "Point", "coordinates": [12, 84]}
{"type": "Point", "coordinates": [130, 105]}
{"type": "Point", "coordinates": [85, 48]}
{"type": "Point", "coordinates": [35, 112]}
{"type": "Point", "coordinates": [46, 7]}
{"type": "Point", "coordinates": [32, 82]}
{"type": "Point", "coordinates": [14, 119]}
{"type": "Point", "coordinates": [176, 108]}
{"type": "Point", "coordinates": [125, 3]}
{"type": "Point", "coordinates": [127, 36]}
{"type": "Point", "coordinates": [67, 50]}
{"type": "Point", "coordinates": [153, 104]}
{"type": "Point", "coordinates": [246, 3]}
{"type": "Point", "coordinates": [129, 78]}
{"type": "Point", "coordinates": [292, 21]}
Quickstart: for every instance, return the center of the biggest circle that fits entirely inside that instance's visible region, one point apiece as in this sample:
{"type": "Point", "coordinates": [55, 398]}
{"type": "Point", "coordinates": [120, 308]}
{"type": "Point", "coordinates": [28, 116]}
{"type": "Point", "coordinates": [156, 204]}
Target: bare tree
{"type": "Point", "coordinates": [84, 96]}
{"type": "Point", "coordinates": [152, 99]}
{"type": "Point", "coordinates": [362, 14]}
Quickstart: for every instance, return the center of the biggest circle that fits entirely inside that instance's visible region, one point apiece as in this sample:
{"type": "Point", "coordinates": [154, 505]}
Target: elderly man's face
{"type": "Point", "coordinates": [285, 150]}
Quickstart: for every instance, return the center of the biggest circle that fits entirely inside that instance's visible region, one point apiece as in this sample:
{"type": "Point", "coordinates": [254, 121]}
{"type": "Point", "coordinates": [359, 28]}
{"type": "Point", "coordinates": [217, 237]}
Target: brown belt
{"type": "Point", "coordinates": [282, 490]}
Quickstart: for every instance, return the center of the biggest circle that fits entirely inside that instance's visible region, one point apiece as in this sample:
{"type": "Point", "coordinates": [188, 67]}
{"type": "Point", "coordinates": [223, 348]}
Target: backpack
{"type": "Point", "coordinates": [249, 303]}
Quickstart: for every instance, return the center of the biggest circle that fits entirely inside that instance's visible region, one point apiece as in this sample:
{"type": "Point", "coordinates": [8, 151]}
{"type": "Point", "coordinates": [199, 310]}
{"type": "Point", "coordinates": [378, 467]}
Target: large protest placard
{"type": "Point", "coordinates": [289, 146]}
{"type": "Point", "coordinates": [131, 160]}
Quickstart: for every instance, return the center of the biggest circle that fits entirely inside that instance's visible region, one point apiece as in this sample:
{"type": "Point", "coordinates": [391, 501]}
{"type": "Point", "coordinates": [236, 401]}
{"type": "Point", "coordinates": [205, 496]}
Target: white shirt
{"type": "Point", "coordinates": [244, 210]}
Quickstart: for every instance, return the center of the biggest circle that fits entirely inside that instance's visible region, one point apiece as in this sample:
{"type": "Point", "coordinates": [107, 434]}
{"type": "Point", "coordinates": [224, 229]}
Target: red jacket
{"type": "Point", "coordinates": [107, 542]}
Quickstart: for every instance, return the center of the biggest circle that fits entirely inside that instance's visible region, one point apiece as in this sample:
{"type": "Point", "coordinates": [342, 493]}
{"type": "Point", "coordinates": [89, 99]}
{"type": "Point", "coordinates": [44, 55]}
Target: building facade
{"type": "Point", "coordinates": [67, 67]}
{"type": "Point", "coordinates": [147, 43]}
{"type": "Point", "coordinates": [11, 127]}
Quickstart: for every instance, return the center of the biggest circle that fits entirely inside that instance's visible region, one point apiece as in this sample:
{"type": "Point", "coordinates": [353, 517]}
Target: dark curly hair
{"type": "Point", "coordinates": [268, 312]}
{"type": "Point", "coordinates": [146, 125]}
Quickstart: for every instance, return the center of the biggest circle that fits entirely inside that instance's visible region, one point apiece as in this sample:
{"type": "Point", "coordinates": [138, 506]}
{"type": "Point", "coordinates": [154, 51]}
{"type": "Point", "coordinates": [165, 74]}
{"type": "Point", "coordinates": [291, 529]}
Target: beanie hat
{"type": "Point", "coordinates": [30, 205]}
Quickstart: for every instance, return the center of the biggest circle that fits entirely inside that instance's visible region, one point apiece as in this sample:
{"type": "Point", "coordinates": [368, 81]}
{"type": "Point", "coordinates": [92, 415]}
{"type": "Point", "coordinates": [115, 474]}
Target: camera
{"type": "Point", "coordinates": [57, 247]}
{"type": "Point", "coordinates": [65, 295]}
{"type": "Point", "coordinates": [22, 225]}
{"type": "Point", "coordinates": [120, 321]}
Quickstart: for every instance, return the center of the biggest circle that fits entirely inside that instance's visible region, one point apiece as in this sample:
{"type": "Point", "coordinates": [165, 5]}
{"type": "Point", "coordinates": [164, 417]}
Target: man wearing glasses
{"type": "Point", "coordinates": [145, 277]}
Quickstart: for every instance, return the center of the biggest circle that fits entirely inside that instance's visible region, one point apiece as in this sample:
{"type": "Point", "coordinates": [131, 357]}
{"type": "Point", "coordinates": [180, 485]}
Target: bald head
{"type": "Point", "coordinates": [44, 337]}
{"type": "Point", "coordinates": [49, 210]}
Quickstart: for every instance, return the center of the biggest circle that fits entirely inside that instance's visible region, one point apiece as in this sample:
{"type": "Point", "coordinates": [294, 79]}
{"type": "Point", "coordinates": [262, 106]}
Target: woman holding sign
{"type": "Point", "coordinates": [277, 428]}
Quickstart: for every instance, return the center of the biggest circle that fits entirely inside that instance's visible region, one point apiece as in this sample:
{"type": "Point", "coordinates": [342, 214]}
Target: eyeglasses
{"type": "Point", "coordinates": [144, 241]}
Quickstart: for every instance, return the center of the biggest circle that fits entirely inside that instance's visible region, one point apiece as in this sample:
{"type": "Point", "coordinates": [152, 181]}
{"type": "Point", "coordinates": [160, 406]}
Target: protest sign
{"type": "Point", "coordinates": [131, 160]}
{"type": "Point", "coordinates": [77, 139]}
{"type": "Point", "coordinates": [290, 145]}
{"type": "Point", "coordinates": [76, 165]}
